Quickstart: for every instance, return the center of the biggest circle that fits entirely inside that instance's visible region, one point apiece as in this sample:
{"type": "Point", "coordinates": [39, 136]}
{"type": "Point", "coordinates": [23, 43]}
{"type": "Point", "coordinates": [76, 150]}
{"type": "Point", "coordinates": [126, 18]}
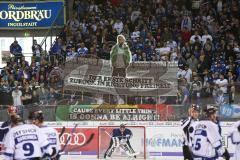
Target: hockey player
{"type": "Point", "coordinates": [207, 141]}
{"type": "Point", "coordinates": [25, 141]}
{"type": "Point", "coordinates": [188, 128]}
{"type": "Point", "coordinates": [11, 110]}
{"type": "Point", "coordinates": [120, 138]}
{"type": "Point", "coordinates": [235, 137]}
{"type": "Point", "coordinates": [36, 117]}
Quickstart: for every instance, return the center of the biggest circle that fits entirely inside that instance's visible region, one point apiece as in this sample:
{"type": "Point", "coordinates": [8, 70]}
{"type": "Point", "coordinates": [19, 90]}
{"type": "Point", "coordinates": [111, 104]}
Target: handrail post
{"type": "Point", "coordinates": [45, 47]}
{"type": "Point", "coordinates": [53, 24]}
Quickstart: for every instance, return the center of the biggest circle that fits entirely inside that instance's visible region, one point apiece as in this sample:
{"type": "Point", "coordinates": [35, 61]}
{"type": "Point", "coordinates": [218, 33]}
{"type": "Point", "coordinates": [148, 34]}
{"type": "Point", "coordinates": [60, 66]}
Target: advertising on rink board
{"type": "Point", "coordinates": [163, 139]}
{"type": "Point", "coordinates": [22, 15]}
{"type": "Point", "coordinates": [84, 141]}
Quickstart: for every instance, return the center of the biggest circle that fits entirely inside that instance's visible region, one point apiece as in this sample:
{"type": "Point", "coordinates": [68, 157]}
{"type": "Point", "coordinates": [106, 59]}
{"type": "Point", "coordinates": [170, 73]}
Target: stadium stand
{"type": "Point", "coordinates": [203, 38]}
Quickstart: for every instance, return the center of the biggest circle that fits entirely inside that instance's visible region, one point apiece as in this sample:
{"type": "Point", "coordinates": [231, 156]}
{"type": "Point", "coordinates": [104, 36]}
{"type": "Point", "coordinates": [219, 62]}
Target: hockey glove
{"type": "Point", "coordinates": [52, 155]}
{"type": "Point", "coordinates": [54, 152]}
{"type": "Point", "coordinates": [123, 141]}
{"type": "Point", "coordinates": [226, 155]}
{"type": "Point", "coordinates": [128, 136]}
{"type": "Point", "coordinates": [239, 128]}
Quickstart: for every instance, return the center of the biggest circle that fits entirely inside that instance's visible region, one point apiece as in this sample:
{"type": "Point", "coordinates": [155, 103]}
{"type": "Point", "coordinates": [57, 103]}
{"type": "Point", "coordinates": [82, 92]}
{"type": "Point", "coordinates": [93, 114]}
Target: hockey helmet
{"type": "Point", "coordinates": [15, 119]}
{"type": "Point", "coordinates": [195, 107]}
{"type": "Point", "coordinates": [210, 110]}
{"type": "Point", "coordinates": [122, 125]}
{"type": "Point", "coordinates": [36, 115]}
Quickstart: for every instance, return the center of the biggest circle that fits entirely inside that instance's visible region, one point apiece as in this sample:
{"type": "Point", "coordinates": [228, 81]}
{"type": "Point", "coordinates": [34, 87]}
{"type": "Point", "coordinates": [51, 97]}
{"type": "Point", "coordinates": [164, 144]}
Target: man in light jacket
{"type": "Point", "coordinates": [121, 57]}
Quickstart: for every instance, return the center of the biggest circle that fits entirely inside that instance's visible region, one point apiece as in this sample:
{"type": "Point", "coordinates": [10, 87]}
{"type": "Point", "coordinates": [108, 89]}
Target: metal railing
{"type": "Point", "coordinates": [49, 31]}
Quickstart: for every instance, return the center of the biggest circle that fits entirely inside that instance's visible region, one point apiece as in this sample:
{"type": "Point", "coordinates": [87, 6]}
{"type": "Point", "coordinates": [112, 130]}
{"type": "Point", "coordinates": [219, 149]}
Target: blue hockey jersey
{"type": "Point", "coordinates": [4, 129]}
{"type": "Point", "coordinates": [127, 133]}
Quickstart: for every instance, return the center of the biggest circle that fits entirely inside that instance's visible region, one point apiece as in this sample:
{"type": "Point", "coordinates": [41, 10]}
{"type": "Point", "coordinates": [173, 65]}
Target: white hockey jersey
{"type": "Point", "coordinates": [188, 126]}
{"type": "Point", "coordinates": [52, 137]}
{"type": "Point", "coordinates": [25, 141]}
{"type": "Point", "coordinates": [207, 141]}
{"type": "Point", "coordinates": [235, 137]}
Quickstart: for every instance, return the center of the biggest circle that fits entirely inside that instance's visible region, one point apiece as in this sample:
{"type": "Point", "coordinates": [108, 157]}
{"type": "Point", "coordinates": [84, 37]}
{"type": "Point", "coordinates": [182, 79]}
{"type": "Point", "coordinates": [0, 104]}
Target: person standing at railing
{"type": "Point", "coordinates": [26, 94]}
{"type": "Point", "coordinates": [185, 94]}
{"type": "Point", "coordinates": [16, 50]}
{"type": "Point", "coordinates": [222, 83]}
{"type": "Point", "coordinates": [43, 94]}
{"type": "Point", "coordinates": [121, 57]}
{"type": "Point", "coordinates": [17, 97]}
{"type": "Point", "coordinates": [36, 50]}
{"type": "Point", "coordinates": [56, 50]}
{"type": "Point", "coordinates": [195, 90]}
{"type": "Point", "coordinates": [82, 50]}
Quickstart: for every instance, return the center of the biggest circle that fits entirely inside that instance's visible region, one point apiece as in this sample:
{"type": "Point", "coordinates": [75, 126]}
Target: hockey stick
{"type": "Point", "coordinates": [62, 131]}
{"type": "Point", "coordinates": [89, 140]}
{"type": "Point", "coordinates": [115, 136]}
{"type": "Point", "coordinates": [68, 140]}
{"type": "Point", "coordinates": [86, 143]}
{"type": "Point", "coordinates": [108, 133]}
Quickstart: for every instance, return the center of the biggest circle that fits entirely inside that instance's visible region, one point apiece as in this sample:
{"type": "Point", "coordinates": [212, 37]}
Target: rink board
{"type": "Point", "coordinates": [163, 139]}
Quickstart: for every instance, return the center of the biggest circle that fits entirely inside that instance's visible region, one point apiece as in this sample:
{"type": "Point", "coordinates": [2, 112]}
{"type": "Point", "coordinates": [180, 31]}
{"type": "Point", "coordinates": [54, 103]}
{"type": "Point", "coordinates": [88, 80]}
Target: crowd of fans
{"type": "Point", "coordinates": [203, 36]}
{"type": "Point", "coordinates": [22, 83]}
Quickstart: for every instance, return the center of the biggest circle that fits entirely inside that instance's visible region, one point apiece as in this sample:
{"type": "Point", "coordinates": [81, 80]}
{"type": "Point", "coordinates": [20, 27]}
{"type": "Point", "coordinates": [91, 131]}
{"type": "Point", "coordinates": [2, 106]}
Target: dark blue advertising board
{"type": "Point", "coordinates": [27, 15]}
